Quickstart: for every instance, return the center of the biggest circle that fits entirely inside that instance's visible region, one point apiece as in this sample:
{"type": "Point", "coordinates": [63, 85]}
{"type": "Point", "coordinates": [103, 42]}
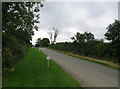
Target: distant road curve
{"type": "Point", "coordinates": [89, 74]}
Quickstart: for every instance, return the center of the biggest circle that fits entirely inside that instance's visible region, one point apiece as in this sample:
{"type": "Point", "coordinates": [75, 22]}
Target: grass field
{"type": "Point", "coordinates": [32, 71]}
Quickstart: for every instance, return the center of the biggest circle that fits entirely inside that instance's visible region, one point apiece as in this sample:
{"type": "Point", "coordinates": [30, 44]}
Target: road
{"type": "Point", "coordinates": [89, 74]}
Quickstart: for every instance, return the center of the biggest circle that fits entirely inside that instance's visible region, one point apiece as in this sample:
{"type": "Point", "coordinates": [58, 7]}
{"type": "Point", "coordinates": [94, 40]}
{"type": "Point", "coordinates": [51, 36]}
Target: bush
{"type": "Point", "coordinates": [12, 52]}
{"type": "Point", "coordinates": [93, 48]}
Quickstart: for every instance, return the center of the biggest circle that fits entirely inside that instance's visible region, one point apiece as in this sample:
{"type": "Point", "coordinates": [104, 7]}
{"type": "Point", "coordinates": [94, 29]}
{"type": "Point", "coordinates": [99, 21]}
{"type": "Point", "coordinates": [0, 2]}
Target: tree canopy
{"type": "Point", "coordinates": [18, 21]}
{"type": "Point", "coordinates": [42, 42]}
{"type": "Point", "coordinates": [113, 33]}
{"type": "Point", "coordinates": [85, 44]}
{"type": "Point", "coordinates": [82, 37]}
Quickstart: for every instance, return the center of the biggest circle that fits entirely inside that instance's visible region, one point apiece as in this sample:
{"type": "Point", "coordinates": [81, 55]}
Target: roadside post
{"type": "Point", "coordinates": [48, 58]}
{"type": "Point", "coordinates": [39, 49]}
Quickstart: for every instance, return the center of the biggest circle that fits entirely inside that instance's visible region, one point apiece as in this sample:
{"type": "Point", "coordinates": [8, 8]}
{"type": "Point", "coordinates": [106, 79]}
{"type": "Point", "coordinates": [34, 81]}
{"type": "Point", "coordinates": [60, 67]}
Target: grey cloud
{"type": "Point", "coordinates": [70, 18]}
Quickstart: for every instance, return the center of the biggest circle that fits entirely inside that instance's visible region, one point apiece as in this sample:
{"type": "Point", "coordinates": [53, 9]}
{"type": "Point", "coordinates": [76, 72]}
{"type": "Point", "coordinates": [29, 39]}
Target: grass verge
{"type": "Point", "coordinates": [32, 71]}
{"type": "Point", "coordinates": [103, 62]}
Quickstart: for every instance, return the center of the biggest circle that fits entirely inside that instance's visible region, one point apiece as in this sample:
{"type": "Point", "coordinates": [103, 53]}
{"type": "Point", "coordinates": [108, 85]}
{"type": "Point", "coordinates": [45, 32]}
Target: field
{"type": "Point", "coordinates": [32, 71]}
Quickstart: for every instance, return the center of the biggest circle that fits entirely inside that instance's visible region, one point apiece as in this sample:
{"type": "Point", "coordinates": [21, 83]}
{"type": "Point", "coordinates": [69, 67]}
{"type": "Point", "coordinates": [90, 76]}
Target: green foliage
{"type": "Point", "coordinates": [88, 36]}
{"type": "Point", "coordinates": [19, 16]}
{"type": "Point", "coordinates": [113, 34]}
{"type": "Point", "coordinates": [100, 50]}
{"type": "Point", "coordinates": [85, 44]}
{"type": "Point", "coordinates": [36, 73]}
{"type": "Point", "coordinates": [81, 38]}
{"type": "Point", "coordinates": [45, 42]}
{"type": "Point", "coordinates": [13, 50]}
{"type": "Point", "coordinates": [42, 42]}
{"type": "Point", "coordinates": [18, 22]}
{"type": "Point", "coordinates": [93, 48]}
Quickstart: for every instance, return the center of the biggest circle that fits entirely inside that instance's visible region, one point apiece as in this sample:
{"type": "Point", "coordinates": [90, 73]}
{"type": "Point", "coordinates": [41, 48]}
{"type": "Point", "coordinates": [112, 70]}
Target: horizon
{"type": "Point", "coordinates": [76, 17]}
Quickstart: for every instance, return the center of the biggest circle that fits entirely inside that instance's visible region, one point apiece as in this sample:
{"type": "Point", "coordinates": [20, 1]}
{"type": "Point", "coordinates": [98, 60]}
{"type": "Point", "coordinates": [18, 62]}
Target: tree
{"type": "Point", "coordinates": [51, 36]}
{"type": "Point", "coordinates": [42, 42]}
{"type": "Point", "coordinates": [53, 33]}
{"type": "Point", "coordinates": [83, 37]}
{"type": "Point", "coordinates": [45, 42]}
{"type": "Point", "coordinates": [78, 38]}
{"type": "Point", "coordinates": [20, 16]}
{"type": "Point", "coordinates": [38, 42]}
{"type": "Point", "coordinates": [18, 22]}
{"type": "Point", "coordinates": [99, 48]}
{"type": "Point", "coordinates": [88, 36]}
{"type": "Point", "coordinates": [113, 35]}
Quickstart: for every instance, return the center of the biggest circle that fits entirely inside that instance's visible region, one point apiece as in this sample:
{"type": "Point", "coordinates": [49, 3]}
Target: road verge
{"type": "Point", "coordinates": [103, 62]}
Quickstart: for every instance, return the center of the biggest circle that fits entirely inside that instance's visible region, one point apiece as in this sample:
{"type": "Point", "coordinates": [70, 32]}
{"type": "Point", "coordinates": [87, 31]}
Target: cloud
{"type": "Point", "coordinates": [72, 17]}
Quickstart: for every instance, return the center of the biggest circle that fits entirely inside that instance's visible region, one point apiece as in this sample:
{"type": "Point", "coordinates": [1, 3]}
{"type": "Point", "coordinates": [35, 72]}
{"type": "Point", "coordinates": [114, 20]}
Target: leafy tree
{"type": "Point", "coordinates": [78, 38]}
{"type": "Point", "coordinates": [18, 22]}
{"type": "Point", "coordinates": [81, 38]}
{"type": "Point", "coordinates": [113, 35]}
{"type": "Point", "coordinates": [45, 42]}
{"type": "Point", "coordinates": [42, 42]}
{"type": "Point", "coordinates": [85, 44]}
{"type": "Point", "coordinates": [38, 42]}
{"type": "Point", "coordinates": [88, 36]}
{"type": "Point", "coordinates": [20, 16]}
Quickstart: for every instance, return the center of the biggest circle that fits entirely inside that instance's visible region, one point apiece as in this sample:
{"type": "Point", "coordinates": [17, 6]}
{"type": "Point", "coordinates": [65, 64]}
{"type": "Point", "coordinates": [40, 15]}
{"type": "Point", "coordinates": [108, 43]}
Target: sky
{"type": "Point", "coordinates": [72, 17]}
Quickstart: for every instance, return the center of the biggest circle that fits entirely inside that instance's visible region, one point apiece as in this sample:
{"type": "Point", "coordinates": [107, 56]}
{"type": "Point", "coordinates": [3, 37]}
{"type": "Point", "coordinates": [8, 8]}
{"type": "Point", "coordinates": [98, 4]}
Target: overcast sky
{"type": "Point", "coordinates": [72, 17]}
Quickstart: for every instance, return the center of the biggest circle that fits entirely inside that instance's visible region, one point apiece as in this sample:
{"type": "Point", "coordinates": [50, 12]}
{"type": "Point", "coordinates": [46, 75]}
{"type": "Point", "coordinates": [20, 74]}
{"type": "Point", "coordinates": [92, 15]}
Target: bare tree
{"type": "Point", "coordinates": [53, 33]}
{"type": "Point", "coordinates": [50, 35]}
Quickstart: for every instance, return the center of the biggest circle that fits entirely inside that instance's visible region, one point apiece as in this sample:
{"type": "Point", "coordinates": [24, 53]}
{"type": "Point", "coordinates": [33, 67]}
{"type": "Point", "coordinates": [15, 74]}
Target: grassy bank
{"type": "Point", "coordinates": [32, 71]}
{"type": "Point", "coordinates": [103, 62]}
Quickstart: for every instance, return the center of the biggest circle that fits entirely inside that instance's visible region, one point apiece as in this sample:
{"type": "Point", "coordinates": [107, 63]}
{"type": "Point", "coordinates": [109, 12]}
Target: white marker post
{"type": "Point", "coordinates": [48, 58]}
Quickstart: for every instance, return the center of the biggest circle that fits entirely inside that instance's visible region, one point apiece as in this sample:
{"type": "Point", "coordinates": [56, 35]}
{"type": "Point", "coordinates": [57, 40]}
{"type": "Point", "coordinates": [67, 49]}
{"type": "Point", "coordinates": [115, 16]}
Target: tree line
{"type": "Point", "coordinates": [45, 42]}
{"type": "Point", "coordinates": [85, 44]}
{"type": "Point", "coordinates": [18, 22]}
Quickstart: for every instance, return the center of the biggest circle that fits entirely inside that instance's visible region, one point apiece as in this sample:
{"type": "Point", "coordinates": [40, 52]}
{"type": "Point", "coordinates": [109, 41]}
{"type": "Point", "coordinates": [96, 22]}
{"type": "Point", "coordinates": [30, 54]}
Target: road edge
{"type": "Point", "coordinates": [95, 61]}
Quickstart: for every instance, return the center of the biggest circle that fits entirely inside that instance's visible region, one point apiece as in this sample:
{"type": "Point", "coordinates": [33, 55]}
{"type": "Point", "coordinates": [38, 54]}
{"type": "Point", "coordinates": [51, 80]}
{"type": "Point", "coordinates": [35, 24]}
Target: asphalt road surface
{"type": "Point", "coordinates": [89, 74]}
